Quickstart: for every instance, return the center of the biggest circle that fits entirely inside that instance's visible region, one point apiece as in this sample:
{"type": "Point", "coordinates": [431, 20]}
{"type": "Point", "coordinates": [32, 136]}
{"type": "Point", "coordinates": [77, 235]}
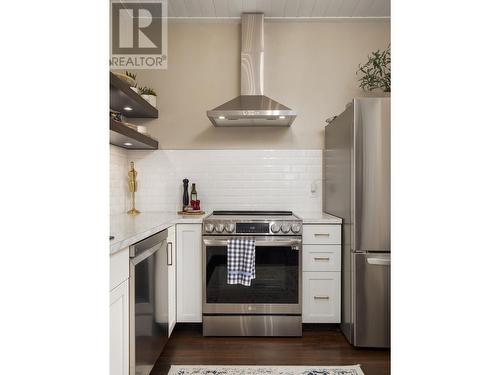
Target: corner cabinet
{"type": "Point", "coordinates": [321, 276]}
{"type": "Point", "coordinates": [119, 313]}
{"type": "Point", "coordinates": [189, 273]}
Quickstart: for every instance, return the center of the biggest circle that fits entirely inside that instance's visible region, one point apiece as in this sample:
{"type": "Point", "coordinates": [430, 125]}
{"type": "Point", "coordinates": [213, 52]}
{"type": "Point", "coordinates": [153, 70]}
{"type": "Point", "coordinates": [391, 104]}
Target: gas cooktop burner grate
{"type": "Point", "coordinates": [254, 213]}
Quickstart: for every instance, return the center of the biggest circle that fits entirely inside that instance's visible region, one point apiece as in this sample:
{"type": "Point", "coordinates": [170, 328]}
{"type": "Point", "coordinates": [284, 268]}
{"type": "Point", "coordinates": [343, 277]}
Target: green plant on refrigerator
{"type": "Point", "coordinates": [376, 72]}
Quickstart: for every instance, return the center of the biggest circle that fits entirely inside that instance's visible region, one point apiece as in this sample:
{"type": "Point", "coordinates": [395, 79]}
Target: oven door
{"type": "Point", "coordinates": [276, 289]}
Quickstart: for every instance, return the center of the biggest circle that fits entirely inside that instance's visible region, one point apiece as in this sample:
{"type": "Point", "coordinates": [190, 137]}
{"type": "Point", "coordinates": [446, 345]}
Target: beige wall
{"type": "Point", "coordinates": [309, 67]}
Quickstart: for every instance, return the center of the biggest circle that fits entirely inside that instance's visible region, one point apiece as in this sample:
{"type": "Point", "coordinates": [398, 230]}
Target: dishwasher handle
{"type": "Point", "coordinates": [147, 244]}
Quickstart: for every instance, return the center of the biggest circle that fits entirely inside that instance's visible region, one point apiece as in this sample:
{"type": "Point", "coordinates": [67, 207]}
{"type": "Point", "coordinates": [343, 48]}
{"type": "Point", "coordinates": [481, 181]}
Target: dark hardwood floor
{"type": "Point", "coordinates": [320, 345]}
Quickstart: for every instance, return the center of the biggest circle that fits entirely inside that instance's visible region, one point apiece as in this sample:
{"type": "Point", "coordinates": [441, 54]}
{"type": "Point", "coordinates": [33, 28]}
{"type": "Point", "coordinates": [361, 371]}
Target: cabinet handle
{"type": "Point", "coordinates": [321, 258]}
{"type": "Point", "coordinates": [321, 297]}
{"type": "Point", "coordinates": [321, 234]}
{"type": "Point", "coordinates": [169, 253]}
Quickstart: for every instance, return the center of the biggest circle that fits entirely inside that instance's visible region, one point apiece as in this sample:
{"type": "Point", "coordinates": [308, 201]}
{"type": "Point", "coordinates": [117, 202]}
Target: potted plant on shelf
{"type": "Point", "coordinates": [149, 95]}
{"type": "Point", "coordinates": [128, 77]}
{"type": "Point", "coordinates": [132, 76]}
{"type": "Point", "coordinates": [376, 72]}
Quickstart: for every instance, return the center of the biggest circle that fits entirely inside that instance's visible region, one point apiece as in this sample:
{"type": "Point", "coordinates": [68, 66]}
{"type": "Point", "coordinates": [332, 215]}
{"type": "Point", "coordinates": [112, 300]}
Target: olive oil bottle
{"type": "Point", "coordinates": [194, 194]}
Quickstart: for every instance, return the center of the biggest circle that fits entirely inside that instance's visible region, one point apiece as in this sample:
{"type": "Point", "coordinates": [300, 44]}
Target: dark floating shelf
{"type": "Point", "coordinates": [122, 136]}
{"type": "Point", "coordinates": [121, 96]}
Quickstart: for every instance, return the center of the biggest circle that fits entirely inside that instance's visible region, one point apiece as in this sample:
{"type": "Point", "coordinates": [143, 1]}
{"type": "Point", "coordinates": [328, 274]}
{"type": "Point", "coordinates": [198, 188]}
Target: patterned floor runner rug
{"type": "Point", "coordinates": [265, 370]}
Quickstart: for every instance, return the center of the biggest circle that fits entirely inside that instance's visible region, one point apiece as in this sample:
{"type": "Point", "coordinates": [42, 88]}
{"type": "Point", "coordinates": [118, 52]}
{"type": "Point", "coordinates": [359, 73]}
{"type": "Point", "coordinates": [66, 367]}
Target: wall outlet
{"type": "Point", "coordinates": [314, 190]}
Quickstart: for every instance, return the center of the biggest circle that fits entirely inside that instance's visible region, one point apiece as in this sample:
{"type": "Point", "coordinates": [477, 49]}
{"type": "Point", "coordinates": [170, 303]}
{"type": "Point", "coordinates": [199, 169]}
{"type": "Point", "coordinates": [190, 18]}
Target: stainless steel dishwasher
{"type": "Point", "coordinates": [148, 302]}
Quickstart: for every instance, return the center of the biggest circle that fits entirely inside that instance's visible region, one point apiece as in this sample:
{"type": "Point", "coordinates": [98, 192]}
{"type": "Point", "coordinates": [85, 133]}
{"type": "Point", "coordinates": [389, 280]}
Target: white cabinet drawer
{"type": "Point", "coordinates": [119, 268]}
{"type": "Point", "coordinates": [321, 234]}
{"type": "Point", "coordinates": [321, 297]}
{"type": "Point", "coordinates": [321, 258]}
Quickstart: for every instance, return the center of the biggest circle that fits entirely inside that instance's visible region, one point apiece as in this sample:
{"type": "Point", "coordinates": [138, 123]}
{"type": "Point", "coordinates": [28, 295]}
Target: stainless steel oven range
{"type": "Point", "coordinates": [271, 306]}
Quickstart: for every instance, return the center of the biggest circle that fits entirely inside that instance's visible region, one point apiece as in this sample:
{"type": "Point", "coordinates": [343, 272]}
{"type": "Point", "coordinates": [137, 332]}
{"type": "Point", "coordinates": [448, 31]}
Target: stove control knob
{"type": "Point", "coordinates": [275, 228]}
{"type": "Point", "coordinates": [219, 228]}
{"type": "Point", "coordinates": [209, 228]}
{"type": "Point", "coordinates": [296, 228]}
{"type": "Point", "coordinates": [285, 228]}
{"type": "Point", "coordinates": [229, 227]}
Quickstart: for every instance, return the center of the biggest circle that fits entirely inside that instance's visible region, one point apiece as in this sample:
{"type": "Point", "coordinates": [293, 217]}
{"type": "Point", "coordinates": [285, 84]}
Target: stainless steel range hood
{"type": "Point", "coordinates": [252, 107]}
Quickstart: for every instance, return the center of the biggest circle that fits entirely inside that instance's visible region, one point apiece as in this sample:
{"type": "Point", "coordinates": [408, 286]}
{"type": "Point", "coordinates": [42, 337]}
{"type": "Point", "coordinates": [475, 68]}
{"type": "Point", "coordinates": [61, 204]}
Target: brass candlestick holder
{"type": "Point", "coordinates": [132, 187]}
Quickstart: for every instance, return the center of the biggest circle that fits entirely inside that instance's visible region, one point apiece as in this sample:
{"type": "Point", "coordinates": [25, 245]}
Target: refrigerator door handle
{"type": "Point", "coordinates": [378, 261]}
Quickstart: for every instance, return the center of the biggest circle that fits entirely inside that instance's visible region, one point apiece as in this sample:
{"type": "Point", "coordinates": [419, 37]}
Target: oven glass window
{"type": "Point", "coordinates": [276, 277]}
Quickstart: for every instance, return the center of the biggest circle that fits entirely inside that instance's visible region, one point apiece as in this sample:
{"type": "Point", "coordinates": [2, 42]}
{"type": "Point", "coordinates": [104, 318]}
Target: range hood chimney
{"type": "Point", "coordinates": [252, 107]}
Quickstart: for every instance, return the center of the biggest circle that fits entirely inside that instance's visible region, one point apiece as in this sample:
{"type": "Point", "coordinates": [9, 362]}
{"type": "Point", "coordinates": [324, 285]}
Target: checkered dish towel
{"type": "Point", "coordinates": [240, 261]}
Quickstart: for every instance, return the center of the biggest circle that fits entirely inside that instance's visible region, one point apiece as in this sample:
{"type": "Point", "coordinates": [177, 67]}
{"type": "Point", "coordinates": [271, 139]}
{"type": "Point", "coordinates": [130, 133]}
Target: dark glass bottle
{"type": "Point", "coordinates": [194, 194]}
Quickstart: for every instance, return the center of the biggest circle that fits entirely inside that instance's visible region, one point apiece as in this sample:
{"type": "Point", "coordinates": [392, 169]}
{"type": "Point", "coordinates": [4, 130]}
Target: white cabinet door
{"type": "Point", "coordinates": [118, 323]}
{"type": "Point", "coordinates": [321, 297]}
{"type": "Point", "coordinates": [172, 285]}
{"type": "Point", "coordinates": [189, 273]}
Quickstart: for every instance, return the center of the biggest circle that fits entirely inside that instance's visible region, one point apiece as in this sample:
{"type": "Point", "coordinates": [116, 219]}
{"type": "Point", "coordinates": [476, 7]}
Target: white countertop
{"type": "Point", "coordinates": [128, 230]}
{"type": "Point", "coordinates": [318, 218]}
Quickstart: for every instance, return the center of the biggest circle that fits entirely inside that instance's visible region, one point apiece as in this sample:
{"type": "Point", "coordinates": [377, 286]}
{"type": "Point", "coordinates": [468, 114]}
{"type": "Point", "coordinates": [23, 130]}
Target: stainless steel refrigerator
{"type": "Point", "coordinates": [357, 189]}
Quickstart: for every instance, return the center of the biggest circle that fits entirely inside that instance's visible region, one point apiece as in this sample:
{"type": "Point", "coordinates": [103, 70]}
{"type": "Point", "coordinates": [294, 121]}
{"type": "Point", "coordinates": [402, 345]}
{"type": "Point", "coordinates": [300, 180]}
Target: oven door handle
{"type": "Point", "coordinates": [291, 242]}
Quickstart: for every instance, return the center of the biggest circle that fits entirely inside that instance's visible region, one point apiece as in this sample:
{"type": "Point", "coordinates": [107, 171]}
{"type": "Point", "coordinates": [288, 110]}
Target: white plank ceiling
{"type": "Point", "coordinates": [279, 9]}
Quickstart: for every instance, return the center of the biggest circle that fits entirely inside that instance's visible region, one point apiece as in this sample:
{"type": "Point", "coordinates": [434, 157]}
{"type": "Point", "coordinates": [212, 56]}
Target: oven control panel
{"type": "Point", "coordinates": [255, 228]}
{"type": "Point", "coordinates": [266, 228]}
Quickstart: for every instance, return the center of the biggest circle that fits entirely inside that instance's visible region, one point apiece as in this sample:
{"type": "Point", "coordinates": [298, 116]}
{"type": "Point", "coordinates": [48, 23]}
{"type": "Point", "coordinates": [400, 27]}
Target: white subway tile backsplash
{"type": "Point", "coordinates": [118, 168]}
{"type": "Point", "coordinates": [225, 179]}
{"type": "Point", "coordinates": [228, 179]}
